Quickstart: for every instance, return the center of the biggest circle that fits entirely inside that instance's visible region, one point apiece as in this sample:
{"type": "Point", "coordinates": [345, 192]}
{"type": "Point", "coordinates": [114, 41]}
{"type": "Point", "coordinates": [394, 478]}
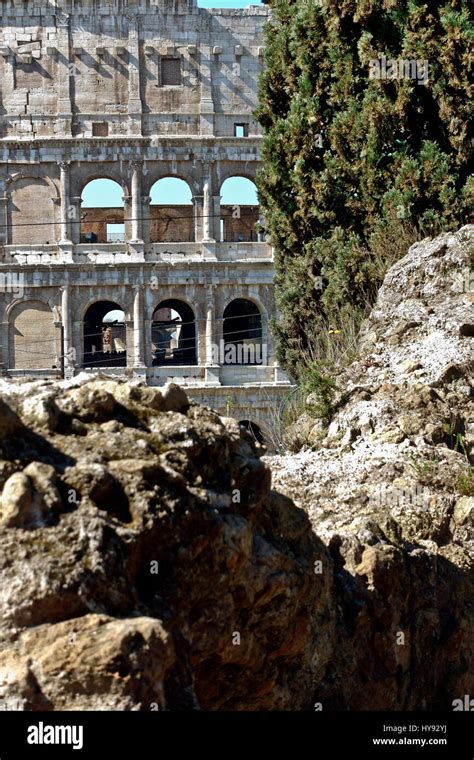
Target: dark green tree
{"type": "Point", "coordinates": [358, 156]}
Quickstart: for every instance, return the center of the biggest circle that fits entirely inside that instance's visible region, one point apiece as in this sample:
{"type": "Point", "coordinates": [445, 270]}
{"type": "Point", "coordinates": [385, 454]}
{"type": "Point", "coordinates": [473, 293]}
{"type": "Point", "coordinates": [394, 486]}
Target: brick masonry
{"type": "Point", "coordinates": [132, 92]}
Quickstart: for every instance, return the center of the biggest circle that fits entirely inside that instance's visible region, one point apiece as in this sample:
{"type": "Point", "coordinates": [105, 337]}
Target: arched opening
{"type": "Point", "coordinates": [105, 336]}
{"type": "Point", "coordinates": [34, 338]}
{"type": "Point", "coordinates": [30, 212]}
{"type": "Point", "coordinates": [254, 430]}
{"type": "Point", "coordinates": [243, 333]}
{"type": "Point", "coordinates": [173, 334]}
{"type": "Point", "coordinates": [171, 211]}
{"type": "Point", "coordinates": [239, 211]}
{"type": "Point", "coordinates": [102, 212]}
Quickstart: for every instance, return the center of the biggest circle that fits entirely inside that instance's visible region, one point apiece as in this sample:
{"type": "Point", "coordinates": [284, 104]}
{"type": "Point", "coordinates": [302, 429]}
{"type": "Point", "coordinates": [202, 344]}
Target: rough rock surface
{"type": "Point", "coordinates": [389, 487]}
{"type": "Point", "coordinates": [144, 562]}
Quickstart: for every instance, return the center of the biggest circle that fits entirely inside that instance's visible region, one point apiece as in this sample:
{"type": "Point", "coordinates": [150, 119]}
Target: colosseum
{"type": "Point", "coordinates": [130, 235]}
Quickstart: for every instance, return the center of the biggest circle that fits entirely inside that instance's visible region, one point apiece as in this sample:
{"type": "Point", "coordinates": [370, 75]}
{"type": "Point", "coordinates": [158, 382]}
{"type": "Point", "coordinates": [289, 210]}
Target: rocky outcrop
{"type": "Point", "coordinates": [389, 487]}
{"type": "Point", "coordinates": [145, 562]}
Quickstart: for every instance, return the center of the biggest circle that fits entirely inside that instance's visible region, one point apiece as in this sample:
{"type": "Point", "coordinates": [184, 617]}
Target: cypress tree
{"type": "Point", "coordinates": [366, 106]}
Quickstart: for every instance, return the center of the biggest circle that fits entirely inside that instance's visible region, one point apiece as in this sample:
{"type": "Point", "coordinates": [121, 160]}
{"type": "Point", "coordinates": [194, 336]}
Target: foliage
{"type": "Point", "coordinates": [355, 169]}
{"type": "Point", "coordinates": [465, 483]}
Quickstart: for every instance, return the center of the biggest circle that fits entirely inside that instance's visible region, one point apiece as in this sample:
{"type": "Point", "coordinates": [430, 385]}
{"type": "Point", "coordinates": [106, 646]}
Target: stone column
{"type": "Point", "coordinates": [64, 117]}
{"type": "Point", "coordinates": [130, 341]}
{"type": "Point", "coordinates": [5, 347]}
{"type": "Point", "coordinates": [207, 210]}
{"type": "Point", "coordinates": [3, 217]}
{"type": "Point", "coordinates": [75, 222]}
{"type": "Point", "coordinates": [211, 373]}
{"type": "Point", "coordinates": [209, 334]}
{"type": "Point", "coordinates": [206, 106]}
{"type": "Point", "coordinates": [146, 201]}
{"type": "Point", "coordinates": [136, 201]}
{"type": "Point", "coordinates": [198, 214]}
{"type": "Point", "coordinates": [135, 107]}
{"type": "Point", "coordinates": [65, 203]}
{"type": "Point", "coordinates": [127, 215]}
{"type": "Point", "coordinates": [148, 352]}
{"type": "Point", "coordinates": [68, 351]}
{"type": "Point", "coordinates": [207, 213]}
{"type": "Point", "coordinates": [216, 226]}
{"type": "Point", "coordinates": [138, 328]}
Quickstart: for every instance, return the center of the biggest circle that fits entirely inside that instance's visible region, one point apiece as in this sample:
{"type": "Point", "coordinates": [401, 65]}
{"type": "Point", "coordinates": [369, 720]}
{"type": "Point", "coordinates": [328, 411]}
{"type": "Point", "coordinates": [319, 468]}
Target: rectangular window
{"type": "Point", "coordinates": [170, 72]}
{"type": "Point", "coordinates": [241, 130]}
{"type": "Point", "coordinates": [115, 233]}
{"type": "Point", "coordinates": [100, 129]}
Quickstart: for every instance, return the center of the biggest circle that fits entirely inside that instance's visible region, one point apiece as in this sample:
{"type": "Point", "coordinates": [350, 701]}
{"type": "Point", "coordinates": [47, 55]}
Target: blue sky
{"type": "Point", "coordinates": [105, 193]}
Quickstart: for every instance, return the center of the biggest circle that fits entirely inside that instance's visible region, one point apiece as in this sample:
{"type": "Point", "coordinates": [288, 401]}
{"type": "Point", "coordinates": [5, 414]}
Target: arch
{"type": "Point", "coordinates": [239, 210]}
{"type": "Point", "coordinates": [238, 189]}
{"type": "Point", "coordinates": [104, 171]}
{"type": "Point", "coordinates": [105, 335]}
{"type": "Point", "coordinates": [102, 192]}
{"type": "Point", "coordinates": [102, 211]}
{"type": "Point", "coordinates": [34, 336]}
{"type": "Point", "coordinates": [243, 333]}
{"type": "Point", "coordinates": [173, 334]}
{"type": "Point", "coordinates": [248, 296]}
{"type": "Point", "coordinates": [178, 294]}
{"type": "Point", "coordinates": [30, 209]}
{"type": "Point", "coordinates": [29, 173]}
{"type": "Point", "coordinates": [171, 211]}
{"type": "Point", "coordinates": [228, 169]}
{"type": "Point", "coordinates": [171, 189]}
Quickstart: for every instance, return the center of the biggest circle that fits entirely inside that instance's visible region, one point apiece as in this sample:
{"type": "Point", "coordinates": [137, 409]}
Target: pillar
{"type": "Point", "coordinates": [211, 358]}
{"type": "Point", "coordinates": [75, 221]}
{"type": "Point", "coordinates": [136, 201]}
{"type": "Point", "coordinates": [5, 346]}
{"type": "Point", "coordinates": [148, 352]}
{"type": "Point", "coordinates": [64, 193]}
{"type": "Point", "coordinates": [198, 220]}
{"type": "Point", "coordinates": [206, 106]}
{"type": "Point", "coordinates": [4, 217]}
{"type": "Point", "coordinates": [206, 213]}
{"type": "Point", "coordinates": [68, 351]}
{"type": "Point", "coordinates": [209, 334]}
{"type": "Point", "coordinates": [211, 375]}
{"type": "Point", "coordinates": [216, 226]}
{"type": "Point", "coordinates": [146, 201]}
{"type": "Point", "coordinates": [138, 328]}
{"type": "Point", "coordinates": [63, 43]}
{"type": "Point", "coordinates": [207, 205]}
{"type": "Point", "coordinates": [135, 107]}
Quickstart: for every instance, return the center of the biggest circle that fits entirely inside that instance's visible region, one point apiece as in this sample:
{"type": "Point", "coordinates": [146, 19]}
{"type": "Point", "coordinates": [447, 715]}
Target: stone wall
{"type": "Point", "coordinates": [172, 224]}
{"type": "Point", "coordinates": [132, 93]}
{"type": "Point", "coordinates": [141, 68]}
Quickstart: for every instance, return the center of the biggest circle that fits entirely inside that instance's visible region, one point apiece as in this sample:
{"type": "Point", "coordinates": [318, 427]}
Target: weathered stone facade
{"type": "Point", "coordinates": [132, 92]}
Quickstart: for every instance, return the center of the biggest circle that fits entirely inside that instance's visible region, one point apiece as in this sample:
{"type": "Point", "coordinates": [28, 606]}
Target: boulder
{"type": "Point", "coordinates": [161, 571]}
